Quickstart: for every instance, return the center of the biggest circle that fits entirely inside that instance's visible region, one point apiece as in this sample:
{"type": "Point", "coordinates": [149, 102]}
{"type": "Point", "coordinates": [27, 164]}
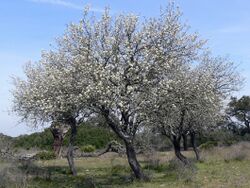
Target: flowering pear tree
{"type": "Point", "coordinates": [51, 93]}
{"type": "Point", "coordinates": [190, 100]}
{"type": "Point", "coordinates": [129, 59]}
{"type": "Point", "coordinates": [123, 60]}
{"type": "Point", "coordinates": [107, 66]}
{"type": "Point", "coordinates": [119, 68]}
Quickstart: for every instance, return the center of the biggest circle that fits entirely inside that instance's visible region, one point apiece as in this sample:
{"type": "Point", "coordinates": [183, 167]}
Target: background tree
{"type": "Point", "coordinates": [189, 99]}
{"type": "Point", "coordinates": [240, 109]}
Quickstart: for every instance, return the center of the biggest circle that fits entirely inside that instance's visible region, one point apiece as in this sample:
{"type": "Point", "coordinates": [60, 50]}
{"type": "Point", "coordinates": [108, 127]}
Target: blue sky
{"type": "Point", "coordinates": [29, 26]}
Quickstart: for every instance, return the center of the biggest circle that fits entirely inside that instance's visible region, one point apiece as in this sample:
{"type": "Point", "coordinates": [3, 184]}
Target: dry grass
{"type": "Point", "coordinates": [12, 176]}
{"type": "Point", "coordinates": [221, 167]}
{"type": "Point", "coordinates": [240, 151]}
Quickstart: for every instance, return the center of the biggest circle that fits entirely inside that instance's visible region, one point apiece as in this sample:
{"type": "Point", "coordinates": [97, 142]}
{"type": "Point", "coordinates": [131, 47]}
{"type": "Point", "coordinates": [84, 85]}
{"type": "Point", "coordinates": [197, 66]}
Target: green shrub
{"type": "Point", "coordinates": [46, 155]}
{"type": "Point", "coordinates": [88, 148]}
{"type": "Point", "coordinates": [42, 140]}
{"type": "Point", "coordinates": [155, 167]}
{"type": "Point", "coordinates": [229, 142]}
{"type": "Point", "coordinates": [117, 169]}
{"type": "Point", "coordinates": [208, 145]}
{"type": "Point", "coordinates": [87, 134]}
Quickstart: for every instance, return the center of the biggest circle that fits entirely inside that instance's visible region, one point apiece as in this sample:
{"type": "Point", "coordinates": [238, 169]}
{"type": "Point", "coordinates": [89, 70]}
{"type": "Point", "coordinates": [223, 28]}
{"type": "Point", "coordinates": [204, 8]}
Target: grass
{"type": "Point", "coordinates": [111, 171]}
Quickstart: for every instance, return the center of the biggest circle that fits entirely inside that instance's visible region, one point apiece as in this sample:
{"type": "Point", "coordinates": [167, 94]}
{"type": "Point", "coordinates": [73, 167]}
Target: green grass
{"type": "Point", "coordinates": [112, 171]}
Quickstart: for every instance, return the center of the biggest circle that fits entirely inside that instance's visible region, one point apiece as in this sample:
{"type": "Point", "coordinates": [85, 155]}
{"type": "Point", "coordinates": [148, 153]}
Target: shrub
{"type": "Point", "coordinates": [46, 155]}
{"type": "Point", "coordinates": [88, 148]}
{"type": "Point", "coordinates": [153, 162]}
{"type": "Point", "coordinates": [182, 172]}
{"type": "Point", "coordinates": [116, 169]}
{"type": "Point", "coordinates": [89, 134]}
{"type": "Point", "coordinates": [12, 176]}
{"type": "Point", "coordinates": [42, 140]}
{"type": "Point", "coordinates": [237, 152]}
{"type": "Point", "coordinates": [208, 145]}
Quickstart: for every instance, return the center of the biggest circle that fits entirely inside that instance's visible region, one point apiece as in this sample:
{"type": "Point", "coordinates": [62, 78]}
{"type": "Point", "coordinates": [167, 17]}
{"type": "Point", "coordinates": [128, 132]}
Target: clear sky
{"type": "Point", "coordinates": [29, 26]}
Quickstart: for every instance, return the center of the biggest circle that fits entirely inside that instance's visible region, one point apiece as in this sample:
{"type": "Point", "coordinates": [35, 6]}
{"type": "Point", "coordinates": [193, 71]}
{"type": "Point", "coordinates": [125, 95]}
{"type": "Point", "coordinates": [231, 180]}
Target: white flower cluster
{"type": "Point", "coordinates": [138, 72]}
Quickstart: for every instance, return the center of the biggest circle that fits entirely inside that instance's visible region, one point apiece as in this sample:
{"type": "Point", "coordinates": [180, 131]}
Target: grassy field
{"type": "Point", "coordinates": [220, 167]}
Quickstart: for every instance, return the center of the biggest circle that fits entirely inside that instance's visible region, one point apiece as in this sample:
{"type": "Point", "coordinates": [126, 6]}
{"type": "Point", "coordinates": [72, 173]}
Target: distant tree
{"type": "Point", "coordinates": [239, 109]}
{"type": "Point", "coordinates": [42, 140]}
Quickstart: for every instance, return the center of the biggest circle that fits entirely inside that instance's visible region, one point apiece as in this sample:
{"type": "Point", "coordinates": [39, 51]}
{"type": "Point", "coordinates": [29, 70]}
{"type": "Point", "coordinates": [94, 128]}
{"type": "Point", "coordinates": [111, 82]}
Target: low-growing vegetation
{"type": "Point", "coordinates": [219, 167]}
{"type": "Point", "coordinates": [45, 155]}
{"type": "Point", "coordinates": [88, 148]}
{"type": "Point", "coordinates": [88, 134]}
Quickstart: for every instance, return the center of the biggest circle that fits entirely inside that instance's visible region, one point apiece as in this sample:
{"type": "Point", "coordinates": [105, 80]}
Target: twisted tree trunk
{"type": "Point", "coordinates": [133, 162]}
{"type": "Point", "coordinates": [193, 143]}
{"type": "Point", "coordinates": [177, 148]}
{"type": "Point", "coordinates": [130, 150]}
{"type": "Point", "coordinates": [58, 141]}
{"type": "Point", "coordinates": [70, 153]}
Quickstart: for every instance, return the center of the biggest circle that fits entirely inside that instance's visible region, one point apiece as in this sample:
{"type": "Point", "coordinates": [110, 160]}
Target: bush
{"type": "Point", "coordinates": [208, 145]}
{"type": "Point", "coordinates": [88, 148]}
{"type": "Point", "coordinates": [87, 134]}
{"type": "Point", "coordinates": [46, 155]}
{"type": "Point", "coordinates": [116, 169]}
{"type": "Point", "coordinates": [153, 162]}
{"type": "Point", "coordinates": [182, 172]}
{"type": "Point", "coordinates": [12, 176]}
{"type": "Point", "coordinates": [42, 140]}
{"type": "Point", "coordinates": [237, 152]}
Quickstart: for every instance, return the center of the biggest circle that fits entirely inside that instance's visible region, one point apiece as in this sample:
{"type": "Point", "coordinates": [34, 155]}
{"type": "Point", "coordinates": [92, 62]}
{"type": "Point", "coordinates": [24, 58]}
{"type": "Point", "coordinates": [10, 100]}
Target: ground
{"type": "Point", "coordinates": [221, 167]}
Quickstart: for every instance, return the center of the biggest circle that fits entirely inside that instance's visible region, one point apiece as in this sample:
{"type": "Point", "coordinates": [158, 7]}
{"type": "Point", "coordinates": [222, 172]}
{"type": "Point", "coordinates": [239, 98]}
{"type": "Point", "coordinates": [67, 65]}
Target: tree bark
{"type": "Point", "coordinates": [193, 143]}
{"type": "Point", "coordinates": [177, 148]}
{"type": "Point", "coordinates": [185, 143]}
{"type": "Point", "coordinates": [132, 160]}
{"type": "Point", "coordinates": [130, 151]}
{"type": "Point", "coordinates": [70, 153]}
{"type": "Point", "coordinates": [58, 141]}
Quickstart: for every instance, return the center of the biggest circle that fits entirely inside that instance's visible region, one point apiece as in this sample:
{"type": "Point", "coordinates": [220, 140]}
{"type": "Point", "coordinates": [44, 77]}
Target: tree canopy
{"type": "Point", "coordinates": [132, 73]}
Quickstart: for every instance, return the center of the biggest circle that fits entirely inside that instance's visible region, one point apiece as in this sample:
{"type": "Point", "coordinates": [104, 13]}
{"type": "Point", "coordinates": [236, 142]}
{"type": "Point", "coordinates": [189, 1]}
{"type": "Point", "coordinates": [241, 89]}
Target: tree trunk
{"type": "Point", "coordinates": [130, 151]}
{"type": "Point", "coordinates": [58, 141]}
{"type": "Point", "coordinates": [70, 153]}
{"type": "Point", "coordinates": [132, 160]}
{"type": "Point", "coordinates": [177, 149]}
{"type": "Point", "coordinates": [193, 143]}
{"type": "Point", "coordinates": [248, 126]}
{"type": "Point", "coordinates": [185, 143]}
